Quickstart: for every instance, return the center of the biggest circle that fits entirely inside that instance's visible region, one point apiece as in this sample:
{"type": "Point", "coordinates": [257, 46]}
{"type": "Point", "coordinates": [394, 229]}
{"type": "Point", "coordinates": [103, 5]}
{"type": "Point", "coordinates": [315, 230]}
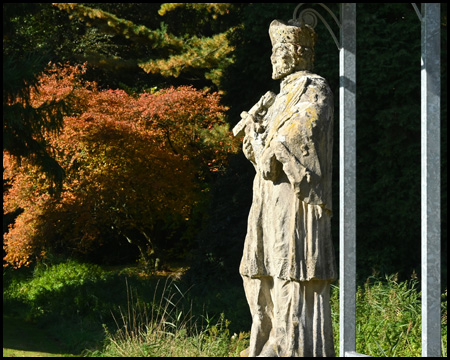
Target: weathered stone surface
{"type": "Point", "coordinates": [288, 259]}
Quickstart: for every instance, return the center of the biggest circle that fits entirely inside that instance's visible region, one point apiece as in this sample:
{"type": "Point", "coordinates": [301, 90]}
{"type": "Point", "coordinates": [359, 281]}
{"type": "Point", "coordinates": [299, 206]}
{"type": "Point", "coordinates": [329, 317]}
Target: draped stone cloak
{"type": "Point", "coordinates": [288, 232]}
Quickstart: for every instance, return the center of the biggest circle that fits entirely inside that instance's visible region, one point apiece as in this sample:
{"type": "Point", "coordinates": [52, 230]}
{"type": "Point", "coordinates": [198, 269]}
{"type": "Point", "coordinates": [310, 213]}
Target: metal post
{"type": "Point", "coordinates": [347, 180]}
{"type": "Point", "coordinates": [430, 177]}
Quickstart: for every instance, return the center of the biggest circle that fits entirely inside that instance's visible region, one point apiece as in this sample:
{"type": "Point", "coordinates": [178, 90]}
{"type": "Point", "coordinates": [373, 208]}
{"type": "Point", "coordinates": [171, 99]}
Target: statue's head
{"type": "Point", "coordinates": [292, 48]}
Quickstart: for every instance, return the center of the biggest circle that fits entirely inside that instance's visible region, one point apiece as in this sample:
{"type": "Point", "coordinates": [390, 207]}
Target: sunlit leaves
{"type": "Point", "coordinates": [214, 8]}
{"type": "Point", "coordinates": [207, 53]}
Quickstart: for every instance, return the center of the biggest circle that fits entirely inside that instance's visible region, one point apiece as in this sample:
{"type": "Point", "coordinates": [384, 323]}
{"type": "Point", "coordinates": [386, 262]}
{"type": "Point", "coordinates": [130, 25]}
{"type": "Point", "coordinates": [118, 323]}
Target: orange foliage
{"type": "Point", "coordinates": [130, 161]}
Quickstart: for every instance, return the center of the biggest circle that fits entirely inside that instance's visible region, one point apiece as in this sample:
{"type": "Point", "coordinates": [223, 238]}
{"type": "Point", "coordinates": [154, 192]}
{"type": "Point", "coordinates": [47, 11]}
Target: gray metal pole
{"type": "Point", "coordinates": [347, 180]}
{"type": "Point", "coordinates": [430, 177]}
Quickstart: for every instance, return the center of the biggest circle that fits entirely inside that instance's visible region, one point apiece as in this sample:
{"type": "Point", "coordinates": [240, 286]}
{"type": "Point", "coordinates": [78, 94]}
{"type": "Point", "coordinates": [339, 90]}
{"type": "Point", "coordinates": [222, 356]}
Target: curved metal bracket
{"type": "Point", "coordinates": [416, 9]}
{"type": "Point", "coordinates": [309, 17]}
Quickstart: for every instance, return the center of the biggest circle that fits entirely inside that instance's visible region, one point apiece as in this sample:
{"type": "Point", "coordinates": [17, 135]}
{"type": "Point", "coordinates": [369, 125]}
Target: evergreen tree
{"type": "Point", "coordinates": [190, 53]}
{"type": "Point", "coordinates": [24, 125]}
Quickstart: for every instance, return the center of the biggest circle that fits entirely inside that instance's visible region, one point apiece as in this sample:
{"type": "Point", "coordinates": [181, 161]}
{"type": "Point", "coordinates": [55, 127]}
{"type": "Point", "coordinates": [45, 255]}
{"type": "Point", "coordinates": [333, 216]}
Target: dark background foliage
{"type": "Point", "coordinates": [388, 114]}
{"type": "Point", "coordinates": [388, 136]}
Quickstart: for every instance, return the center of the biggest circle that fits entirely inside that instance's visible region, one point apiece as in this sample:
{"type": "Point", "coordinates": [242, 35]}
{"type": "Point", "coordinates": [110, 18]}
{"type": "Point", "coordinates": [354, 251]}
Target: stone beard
{"type": "Point", "coordinates": [288, 260]}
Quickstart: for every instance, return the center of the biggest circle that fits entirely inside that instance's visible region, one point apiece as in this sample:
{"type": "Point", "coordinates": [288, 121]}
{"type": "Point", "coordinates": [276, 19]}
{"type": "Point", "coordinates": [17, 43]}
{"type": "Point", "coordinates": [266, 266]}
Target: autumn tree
{"type": "Point", "coordinates": [133, 163]}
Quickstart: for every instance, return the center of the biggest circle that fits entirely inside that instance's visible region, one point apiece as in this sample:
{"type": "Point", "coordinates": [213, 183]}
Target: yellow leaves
{"type": "Point", "coordinates": [65, 6]}
{"type": "Point", "coordinates": [166, 7]}
{"type": "Point", "coordinates": [214, 8]}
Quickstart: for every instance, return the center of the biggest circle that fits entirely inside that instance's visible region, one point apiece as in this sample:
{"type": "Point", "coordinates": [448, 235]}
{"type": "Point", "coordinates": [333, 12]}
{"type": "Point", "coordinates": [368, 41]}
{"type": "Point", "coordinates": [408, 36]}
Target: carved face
{"type": "Point", "coordinates": [287, 58]}
{"type": "Point", "coordinates": [283, 60]}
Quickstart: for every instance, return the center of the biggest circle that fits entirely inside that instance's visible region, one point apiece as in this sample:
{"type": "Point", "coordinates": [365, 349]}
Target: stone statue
{"type": "Point", "coordinates": [288, 261]}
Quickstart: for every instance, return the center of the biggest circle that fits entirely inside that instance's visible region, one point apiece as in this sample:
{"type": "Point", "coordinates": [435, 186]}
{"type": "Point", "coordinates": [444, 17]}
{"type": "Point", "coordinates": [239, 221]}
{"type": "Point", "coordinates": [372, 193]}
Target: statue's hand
{"type": "Point", "coordinates": [247, 148]}
{"type": "Point", "coordinates": [245, 115]}
{"type": "Point", "coordinates": [249, 121]}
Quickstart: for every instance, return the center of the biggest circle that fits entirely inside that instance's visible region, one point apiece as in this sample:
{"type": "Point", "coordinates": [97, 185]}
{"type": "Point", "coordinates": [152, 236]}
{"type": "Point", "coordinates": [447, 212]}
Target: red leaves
{"type": "Point", "coordinates": [130, 162]}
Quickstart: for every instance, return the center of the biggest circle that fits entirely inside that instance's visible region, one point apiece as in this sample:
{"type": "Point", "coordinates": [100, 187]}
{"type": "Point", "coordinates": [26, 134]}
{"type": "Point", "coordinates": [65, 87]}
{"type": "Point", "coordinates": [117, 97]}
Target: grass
{"type": "Point", "coordinates": [81, 309]}
{"type": "Point", "coordinates": [389, 318]}
{"type": "Point", "coordinates": [167, 328]}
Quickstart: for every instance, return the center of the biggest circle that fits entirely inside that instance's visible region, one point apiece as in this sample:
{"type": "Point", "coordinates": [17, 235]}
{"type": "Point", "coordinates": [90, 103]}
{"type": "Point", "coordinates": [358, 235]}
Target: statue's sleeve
{"type": "Point", "coordinates": [303, 145]}
{"type": "Point", "coordinates": [306, 183]}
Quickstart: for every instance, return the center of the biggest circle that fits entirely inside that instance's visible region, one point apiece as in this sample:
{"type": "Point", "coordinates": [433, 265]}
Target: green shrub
{"type": "Point", "coordinates": [64, 289]}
